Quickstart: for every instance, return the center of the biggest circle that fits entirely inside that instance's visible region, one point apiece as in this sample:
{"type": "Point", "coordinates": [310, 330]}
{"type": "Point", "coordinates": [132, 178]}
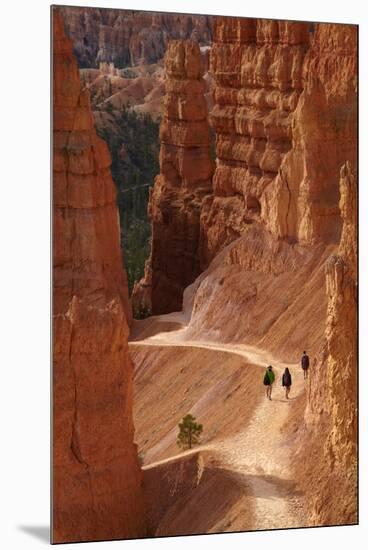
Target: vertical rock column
{"type": "Point", "coordinates": [332, 392]}
{"type": "Point", "coordinates": [185, 178]}
{"type": "Point", "coordinates": [341, 328]}
{"type": "Point", "coordinates": [96, 476]}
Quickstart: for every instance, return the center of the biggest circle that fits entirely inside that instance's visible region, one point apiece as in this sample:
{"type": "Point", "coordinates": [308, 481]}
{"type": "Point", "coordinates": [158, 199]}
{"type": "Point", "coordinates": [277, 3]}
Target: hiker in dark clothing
{"type": "Point", "coordinates": [305, 364]}
{"type": "Point", "coordinates": [268, 380]}
{"type": "Point", "coordinates": [286, 382]}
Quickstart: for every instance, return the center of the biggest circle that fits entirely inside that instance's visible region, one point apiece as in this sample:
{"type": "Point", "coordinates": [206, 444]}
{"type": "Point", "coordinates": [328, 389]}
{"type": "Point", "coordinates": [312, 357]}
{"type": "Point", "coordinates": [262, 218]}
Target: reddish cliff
{"type": "Point", "coordinates": [332, 392]}
{"type": "Point", "coordinates": [284, 92]}
{"type": "Point", "coordinates": [257, 69]}
{"type": "Point", "coordinates": [127, 37]}
{"type": "Point", "coordinates": [184, 179]}
{"type": "Point", "coordinates": [303, 202]}
{"type": "Point", "coordinates": [96, 476]}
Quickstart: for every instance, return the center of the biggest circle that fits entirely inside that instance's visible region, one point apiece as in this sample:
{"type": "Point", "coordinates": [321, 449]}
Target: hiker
{"type": "Point", "coordinates": [268, 380]}
{"type": "Point", "coordinates": [305, 364]}
{"type": "Point", "coordinates": [286, 382]}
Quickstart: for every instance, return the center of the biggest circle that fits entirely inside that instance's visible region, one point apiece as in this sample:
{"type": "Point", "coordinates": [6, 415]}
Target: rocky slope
{"type": "Point", "coordinates": [184, 179]}
{"type": "Point", "coordinates": [239, 478]}
{"type": "Point", "coordinates": [126, 37]}
{"type": "Point", "coordinates": [192, 492]}
{"type": "Point", "coordinates": [276, 289]}
{"type": "Point", "coordinates": [97, 491]}
{"type": "Point", "coordinates": [141, 89]}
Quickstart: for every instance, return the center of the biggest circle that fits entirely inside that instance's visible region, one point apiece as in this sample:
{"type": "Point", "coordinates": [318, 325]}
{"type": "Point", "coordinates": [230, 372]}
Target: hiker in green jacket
{"type": "Point", "coordinates": [268, 380]}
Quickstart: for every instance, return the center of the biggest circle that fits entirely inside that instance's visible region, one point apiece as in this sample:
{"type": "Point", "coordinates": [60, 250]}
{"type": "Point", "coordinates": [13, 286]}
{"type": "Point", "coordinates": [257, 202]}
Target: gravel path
{"type": "Point", "coordinates": [258, 454]}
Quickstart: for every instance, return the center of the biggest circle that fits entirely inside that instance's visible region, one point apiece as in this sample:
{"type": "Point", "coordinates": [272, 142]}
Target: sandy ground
{"type": "Point", "coordinates": [257, 454]}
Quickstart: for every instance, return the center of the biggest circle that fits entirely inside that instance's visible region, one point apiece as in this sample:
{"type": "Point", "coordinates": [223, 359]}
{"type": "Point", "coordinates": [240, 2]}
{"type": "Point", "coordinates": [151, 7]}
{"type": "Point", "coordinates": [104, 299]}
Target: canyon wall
{"type": "Point", "coordinates": [285, 120]}
{"type": "Point", "coordinates": [185, 178]}
{"type": "Point", "coordinates": [332, 393]}
{"type": "Point", "coordinates": [96, 476]}
{"type": "Point", "coordinates": [127, 37]}
{"type": "Point", "coordinates": [257, 70]}
{"type": "Point", "coordinates": [304, 202]}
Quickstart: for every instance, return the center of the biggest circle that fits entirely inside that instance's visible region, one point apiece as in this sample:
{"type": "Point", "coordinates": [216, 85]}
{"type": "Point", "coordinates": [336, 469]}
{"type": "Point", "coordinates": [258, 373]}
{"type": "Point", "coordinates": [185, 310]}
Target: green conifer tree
{"type": "Point", "coordinates": [189, 432]}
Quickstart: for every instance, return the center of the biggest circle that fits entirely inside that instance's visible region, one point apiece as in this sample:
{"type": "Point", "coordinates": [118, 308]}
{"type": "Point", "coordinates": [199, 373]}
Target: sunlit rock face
{"type": "Point", "coordinates": [285, 119]}
{"type": "Point", "coordinates": [332, 392]}
{"type": "Point", "coordinates": [96, 477]}
{"type": "Point", "coordinates": [185, 178]}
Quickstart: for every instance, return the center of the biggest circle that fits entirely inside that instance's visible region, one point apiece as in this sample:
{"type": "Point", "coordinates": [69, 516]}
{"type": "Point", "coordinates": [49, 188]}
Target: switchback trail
{"type": "Point", "coordinates": [258, 453]}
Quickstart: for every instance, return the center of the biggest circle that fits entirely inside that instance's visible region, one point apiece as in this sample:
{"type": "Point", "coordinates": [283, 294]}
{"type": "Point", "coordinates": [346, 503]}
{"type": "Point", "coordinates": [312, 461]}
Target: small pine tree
{"type": "Point", "coordinates": [189, 432]}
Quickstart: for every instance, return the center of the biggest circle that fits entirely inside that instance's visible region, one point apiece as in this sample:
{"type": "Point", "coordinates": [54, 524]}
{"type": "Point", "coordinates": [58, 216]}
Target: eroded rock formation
{"type": "Point", "coordinates": [324, 131]}
{"type": "Point", "coordinates": [341, 327]}
{"type": "Point", "coordinates": [96, 477]}
{"type": "Point", "coordinates": [257, 68]}
{"type": "Point", "coordinates": [284, 91]}
{"type": "Point", "coordinates": [111, 89]}
{"type": "Point", "coordinates": [332, 392]}
{"type": "Point", "coordinates": [185, 178]}
{"type": "Point", "coordinates": [127, 37]}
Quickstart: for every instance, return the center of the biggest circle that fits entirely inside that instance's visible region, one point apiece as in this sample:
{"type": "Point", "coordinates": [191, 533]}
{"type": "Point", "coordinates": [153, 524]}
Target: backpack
{"type": "Point", "coordinates": [266, 380]}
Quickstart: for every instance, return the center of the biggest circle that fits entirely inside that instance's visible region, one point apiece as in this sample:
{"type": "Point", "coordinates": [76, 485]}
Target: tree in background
{"type": "Point", "coordinates": [133, 141]}
{"type": "Point", "coordinates": [189, 432]}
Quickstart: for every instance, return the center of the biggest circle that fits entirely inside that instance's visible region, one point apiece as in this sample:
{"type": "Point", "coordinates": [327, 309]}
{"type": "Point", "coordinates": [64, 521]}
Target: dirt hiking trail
{"type": "Point", "coordinates": [259, 453]}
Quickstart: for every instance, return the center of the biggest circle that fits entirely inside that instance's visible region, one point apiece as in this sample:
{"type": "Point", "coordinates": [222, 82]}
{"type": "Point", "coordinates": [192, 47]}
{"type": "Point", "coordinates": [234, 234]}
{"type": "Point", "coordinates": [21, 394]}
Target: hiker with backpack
{"type": "Point", "coordinates": [268, 380]}
{"type": "Point", "coordinates": [305, 364]}
{"type": "Point", "coordinates": [286, 382]}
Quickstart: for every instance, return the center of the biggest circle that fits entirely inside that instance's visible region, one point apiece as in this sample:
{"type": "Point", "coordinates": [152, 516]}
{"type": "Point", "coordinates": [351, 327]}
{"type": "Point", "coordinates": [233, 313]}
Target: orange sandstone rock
{"type": "Point", "coordinates": [257, 68]}
{"type": "Point", "coordinates": [185, 178]}
{"type": "Point", "coordinates": [285, 119]}
{"type": "Point", "coordinates": [96, 477]}
{"type": "Point", "coordinates": [332, 392]}
{"type": "Point", "coordinates": [303, 201]}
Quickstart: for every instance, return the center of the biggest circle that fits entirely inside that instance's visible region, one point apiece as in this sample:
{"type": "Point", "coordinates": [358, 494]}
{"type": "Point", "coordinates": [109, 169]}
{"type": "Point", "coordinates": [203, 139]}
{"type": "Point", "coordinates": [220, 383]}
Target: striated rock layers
{"type": "Point", "coordinates": [96, 477]}
{"type": "Point", "coordinates": [185, 178]}
{"type": "Point", "coordinates": [285, 120]}
{"type": "Point", "coordinates": [127, 37]}
{"type": "Point", "coordinates": [332, 392]}
{"type": "Point", "coordinates": [324, 136]}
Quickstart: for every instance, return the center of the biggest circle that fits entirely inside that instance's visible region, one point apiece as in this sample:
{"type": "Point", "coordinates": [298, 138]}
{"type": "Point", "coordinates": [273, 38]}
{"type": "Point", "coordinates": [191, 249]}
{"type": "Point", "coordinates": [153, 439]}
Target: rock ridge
{"type": "Point", "coordinates": [97, 480]}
